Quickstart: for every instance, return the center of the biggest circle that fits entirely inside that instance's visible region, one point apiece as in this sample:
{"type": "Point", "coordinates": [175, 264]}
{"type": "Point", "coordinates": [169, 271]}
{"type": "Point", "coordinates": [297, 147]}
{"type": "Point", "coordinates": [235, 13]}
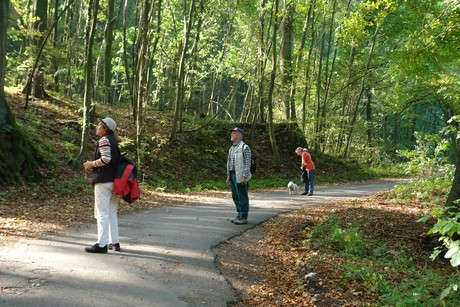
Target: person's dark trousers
{"type": "Point", "coordinates": [240, 196]}
{"type": "Point", "coordinates": [305, 181]}
{"type": "Point", "coordinates": [309, 184]}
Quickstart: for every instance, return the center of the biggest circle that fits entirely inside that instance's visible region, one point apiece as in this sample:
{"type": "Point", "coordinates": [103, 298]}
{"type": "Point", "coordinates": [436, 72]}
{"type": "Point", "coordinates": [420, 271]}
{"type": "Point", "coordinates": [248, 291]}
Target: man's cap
{"type": "Point", "coordinates": [237, 129]}
{"type": "Point", "coordinates": [108, 123]}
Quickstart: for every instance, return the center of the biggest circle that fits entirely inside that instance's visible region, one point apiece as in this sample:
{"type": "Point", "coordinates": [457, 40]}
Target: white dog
{"type": "Point", "coordinates": [293, 188]}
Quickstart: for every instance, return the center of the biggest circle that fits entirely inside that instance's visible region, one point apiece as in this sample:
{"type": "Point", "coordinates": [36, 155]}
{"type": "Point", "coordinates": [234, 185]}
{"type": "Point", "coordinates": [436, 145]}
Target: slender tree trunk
{"type": "Point", "coordinates": [363, 84]}
{"type": "Point", "coordinates": [319, 137]}
{"type": "Point", "coordinates": [35, 81]}
{"type": "Point", "coordinates": [90, 33]}
{"type": "Point", "coordinates": [129, 81]}
{"type": "Point", "coordinates": [296, 68]}
{"type": "Point", "coordinates": [143, 64]}
{"type": "Point", "coordinates": [346, 101]}
{"type": "Point", "coordinates": [108, 51]}
{"type": "Point", "coordinates": [261, 61]}
{"type": "Point", "coordinates": [55, 43]}
{"type": "Point", "coordinates": [306, 94]}
{"type": "Point", "coordinates": [286, 58]}
{"type": "Point", "coordinates": [271, 126]}
{"type": "Point", "coordinates": [369, 116]}
{"type": "Point", "coordinates": [181, 72]}
{"type": "Point", "coordinates": [194, 56]}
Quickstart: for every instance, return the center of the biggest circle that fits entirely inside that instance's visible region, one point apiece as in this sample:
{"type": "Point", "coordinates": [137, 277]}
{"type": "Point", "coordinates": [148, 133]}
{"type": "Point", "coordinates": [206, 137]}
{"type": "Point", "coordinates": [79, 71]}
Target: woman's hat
{"type": "Point", "coordinates": [108, 123]}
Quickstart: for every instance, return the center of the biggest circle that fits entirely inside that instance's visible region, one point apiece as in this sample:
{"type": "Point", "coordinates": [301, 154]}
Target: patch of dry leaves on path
{"type": "Point", "coordinates": [275, 265]}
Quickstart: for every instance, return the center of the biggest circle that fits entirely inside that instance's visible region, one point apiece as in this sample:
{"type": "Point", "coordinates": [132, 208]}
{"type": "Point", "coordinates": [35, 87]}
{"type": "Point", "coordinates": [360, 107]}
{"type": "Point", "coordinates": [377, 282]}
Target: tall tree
{"type": "Point", "coordinates": [17, 156]}
{"type": "Point", "coordinates": [286, 59]}
{"type": "Point", "coordinates": [271, 126]}
{"type": "Point", "coordinates": [108, 51]}
{"type": "Point", "coordinates": [35, 81]}
{"type": "Point", "coordinates": [87, 96]}
{"type": "Point", "coordinates": [182, 52]}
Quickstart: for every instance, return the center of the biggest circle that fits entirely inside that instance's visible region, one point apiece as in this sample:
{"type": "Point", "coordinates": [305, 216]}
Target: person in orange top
{"type": "Point", "coordinates": [308, 167]}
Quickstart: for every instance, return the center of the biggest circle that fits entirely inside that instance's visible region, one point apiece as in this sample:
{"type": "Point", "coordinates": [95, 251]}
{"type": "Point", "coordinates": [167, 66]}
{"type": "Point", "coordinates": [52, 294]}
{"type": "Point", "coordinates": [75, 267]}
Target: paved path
{"type": "Point", "coordinates": [167, 256]}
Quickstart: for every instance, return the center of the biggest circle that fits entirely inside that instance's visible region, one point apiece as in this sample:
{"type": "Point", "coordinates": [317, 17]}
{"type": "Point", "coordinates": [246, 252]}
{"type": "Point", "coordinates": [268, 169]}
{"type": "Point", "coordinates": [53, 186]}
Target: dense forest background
{"type": "Point", "coordinates": [362, 79]}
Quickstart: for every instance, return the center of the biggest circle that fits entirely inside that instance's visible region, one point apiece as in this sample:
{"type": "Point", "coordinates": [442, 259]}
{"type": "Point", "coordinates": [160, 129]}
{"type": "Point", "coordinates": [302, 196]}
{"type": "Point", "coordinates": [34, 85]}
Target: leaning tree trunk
{"type": "Point", "coordinates": [17, 156]}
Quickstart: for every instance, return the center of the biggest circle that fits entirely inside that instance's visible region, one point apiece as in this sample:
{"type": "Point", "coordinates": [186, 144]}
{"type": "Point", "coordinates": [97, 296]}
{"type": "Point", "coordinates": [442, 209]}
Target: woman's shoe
{"type": "Point", "coordinates": [115, 247]}
{"type": "Point", "coordinates": [96, 249]}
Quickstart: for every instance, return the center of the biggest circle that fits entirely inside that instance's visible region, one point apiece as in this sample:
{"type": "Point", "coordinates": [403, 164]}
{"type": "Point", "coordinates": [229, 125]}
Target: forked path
{"type": "Point", "coordinates": [167, 256]}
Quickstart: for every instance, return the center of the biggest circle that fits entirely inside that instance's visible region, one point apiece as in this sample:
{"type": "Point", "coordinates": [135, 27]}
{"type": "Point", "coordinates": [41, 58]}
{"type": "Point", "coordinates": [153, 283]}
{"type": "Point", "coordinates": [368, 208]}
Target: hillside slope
{"type": "Point", "coordinates": [197, 155]}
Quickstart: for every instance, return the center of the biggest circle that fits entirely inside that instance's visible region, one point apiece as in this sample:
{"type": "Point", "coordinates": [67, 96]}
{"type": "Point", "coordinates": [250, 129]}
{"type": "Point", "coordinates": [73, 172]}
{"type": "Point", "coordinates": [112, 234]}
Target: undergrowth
{"type": "Point", "coordinates": [397, 275]}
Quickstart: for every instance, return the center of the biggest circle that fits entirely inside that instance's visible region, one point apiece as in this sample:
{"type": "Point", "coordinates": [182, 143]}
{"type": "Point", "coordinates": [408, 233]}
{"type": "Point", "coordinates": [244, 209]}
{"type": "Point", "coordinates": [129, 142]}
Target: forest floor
{"type": "Point", "coordinates": [287, 270]}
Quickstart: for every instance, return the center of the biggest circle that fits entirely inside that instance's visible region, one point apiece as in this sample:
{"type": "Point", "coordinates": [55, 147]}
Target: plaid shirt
{"type": "Point", "coordinates": [246, 158]}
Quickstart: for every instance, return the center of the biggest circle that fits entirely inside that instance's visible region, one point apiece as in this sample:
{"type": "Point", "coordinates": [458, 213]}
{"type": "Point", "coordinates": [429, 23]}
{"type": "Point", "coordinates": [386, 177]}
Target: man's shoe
{"type": "Point", "coordinates": [304, 193]}
{"type": "Point", "coordinates": [310, 194]}
{"type": "Point", "coordinates": [96, 249]}
{"type": "Point", "coordinates": [241, 221]}
{"type": "Point", "coordinates": [115, 247]}
{"type": "Point", "coordinates": [233, 220]}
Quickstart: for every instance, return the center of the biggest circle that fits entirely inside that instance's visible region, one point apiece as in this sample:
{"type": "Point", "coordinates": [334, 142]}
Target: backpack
{"type": "Point", "coordinates": [253, 164]}
{"type": "Point", "coordinates": [125, 183]}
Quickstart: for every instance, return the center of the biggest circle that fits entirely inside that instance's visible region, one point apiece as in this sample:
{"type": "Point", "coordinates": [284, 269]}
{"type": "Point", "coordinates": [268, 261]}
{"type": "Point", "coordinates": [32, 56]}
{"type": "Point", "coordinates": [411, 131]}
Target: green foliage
{"type": "Point", "coordinates": [70, 186]}
{"type": "Point", "coordinates": [431, 191]}
{"type": "Point", "coordinates": [372, 263]}
{"type": "Point", "coordinates": [428, 156]}
{"type": "Point", "coordinates": [345, 239]}
{"type": "Point", "coordinates": [448, 230]}
{"type": "Point", "coordinates": [418, 288]}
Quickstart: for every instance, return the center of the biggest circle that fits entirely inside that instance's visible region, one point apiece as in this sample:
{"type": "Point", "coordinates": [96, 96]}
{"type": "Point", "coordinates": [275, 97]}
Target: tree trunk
{"type": "Point", "coordinates": [286, 58]}
{"type": "Point", "coordinates": [271, 126]}
{"type": "Point", "coordinates": [296, 69]}
{"type": "Point", "coordinates": [194, 58]}
{"type": "Point", "coordinates": [307, 91]}
{"type": "Point", "coordinates": [35, 82]}
{"type": "Point", "coordinates": [108, 51]}
{"type": "Point", "coordinates": [319, 137]}
{"type": "Point", "coordinates": [181, 72]}
{"type": "Point", "coordinates": [354, 115]}
{"type": "Point", "coordinates": [261, 61]}
{"type": "Point", "coordinates": [129, 81]}
{"type": "Point", "coordinates": [55, 44]}
{"type": "Point", "coordinates": [17, 156]}
{"type": "Point", "coordinates": [454, 193]}
{"type": "Point", "coordinates": [90, 33]}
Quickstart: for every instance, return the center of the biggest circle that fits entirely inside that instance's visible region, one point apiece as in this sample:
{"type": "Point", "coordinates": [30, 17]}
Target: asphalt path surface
{"type": "Point", "coordinates": [167, 256]}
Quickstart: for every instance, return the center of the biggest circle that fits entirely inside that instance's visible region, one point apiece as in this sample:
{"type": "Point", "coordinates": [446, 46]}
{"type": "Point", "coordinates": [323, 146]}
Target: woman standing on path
{"type": "Point", "coordinates": [104, 166]}
{"type": "Point", "coordinates": [308, 167]}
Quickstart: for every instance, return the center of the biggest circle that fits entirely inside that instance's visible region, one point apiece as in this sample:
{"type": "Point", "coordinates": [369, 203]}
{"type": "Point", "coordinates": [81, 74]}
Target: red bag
{"type": "Point", "coordinates": [126, 184]}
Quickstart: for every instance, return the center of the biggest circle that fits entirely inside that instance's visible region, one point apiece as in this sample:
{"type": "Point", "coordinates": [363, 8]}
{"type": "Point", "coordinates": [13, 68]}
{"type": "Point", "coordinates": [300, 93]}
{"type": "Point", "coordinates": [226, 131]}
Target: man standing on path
{"type": "Point", "coordinates": [239, 174]}
{"type": "Point", "coordinates": [104, 166]}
